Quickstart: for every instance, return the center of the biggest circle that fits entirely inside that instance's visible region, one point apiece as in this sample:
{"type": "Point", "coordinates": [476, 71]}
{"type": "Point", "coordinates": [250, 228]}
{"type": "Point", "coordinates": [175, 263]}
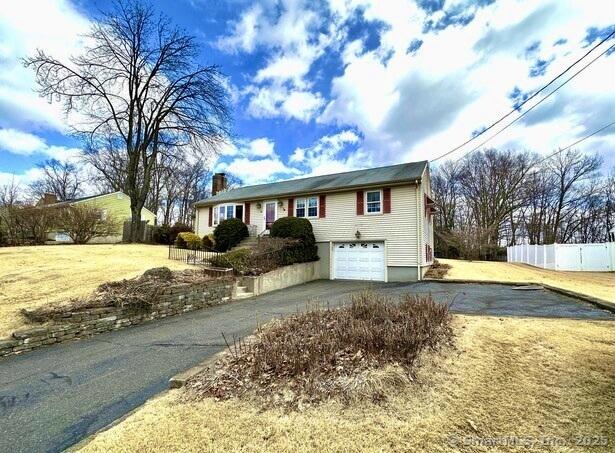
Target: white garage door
{"type": "Point", "coordinates": [358, 260]}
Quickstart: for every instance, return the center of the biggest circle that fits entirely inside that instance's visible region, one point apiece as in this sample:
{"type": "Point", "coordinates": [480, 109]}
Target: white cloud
{"type": "Point", "coordinates": [18, 142]}
{"type": "Point", "coordinates": [245, 32]}
{"type": "Point", "coordinates": [324, 156]}
{"type": "Point", "coordinates": [21, 179]}
{"type": "Point", "coordinates": [411, 106]}
{"type": "Point", "coordinates": [24, 143]}
{"type": "Point", "coordinates": [25, 26]}
{"type": "Point", "coordinates": [258, 171]}
{"type": "Point", "coordinates": [291, 31]}
{"type": "Point", "coordinates": [261, 147]}
{"type": "Point", "coordinates": [271, 102]}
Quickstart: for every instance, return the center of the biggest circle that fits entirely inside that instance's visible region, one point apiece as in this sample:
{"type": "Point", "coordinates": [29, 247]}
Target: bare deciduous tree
{"type": "Point", "coordinates": [63, 179]}
{"type": "Point", "coordinates": [82, 223]}
{"type": "Point", "coordinates": [493, 198]}
{"type": "Point", "coordinates": [139, 92]}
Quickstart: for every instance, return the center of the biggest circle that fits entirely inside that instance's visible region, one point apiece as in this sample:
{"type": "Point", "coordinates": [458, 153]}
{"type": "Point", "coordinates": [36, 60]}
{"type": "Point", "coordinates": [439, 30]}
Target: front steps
{"type": "Point", "coordinates": [242, 292]}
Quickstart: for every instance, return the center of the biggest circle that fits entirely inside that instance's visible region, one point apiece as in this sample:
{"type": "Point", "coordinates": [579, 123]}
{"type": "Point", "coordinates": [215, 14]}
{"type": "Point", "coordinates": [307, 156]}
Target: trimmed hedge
{"type": "Point", "coordinates": [304, 249]}
{"type": "Point", "coordinates": [187, 240]}
{"type": "Point", "coordinates": [240, 260]}
{"type": "Point", "coordinates": [294, 228]}
{"type": "Point", "coordinates": [229, 233]}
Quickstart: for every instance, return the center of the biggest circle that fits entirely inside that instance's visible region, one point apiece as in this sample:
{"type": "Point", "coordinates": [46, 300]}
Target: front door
{"type": "Point", "coordinates": [271, 208]}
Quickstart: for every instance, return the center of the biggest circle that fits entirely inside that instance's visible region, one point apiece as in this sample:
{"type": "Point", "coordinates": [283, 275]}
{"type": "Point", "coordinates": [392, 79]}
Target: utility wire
{"type": "Point", "coordinates": [535, 105]}
{"type": "Point", "coordinates": [573, 144]}
{"type": "Point", "coordinates": [551, 82]}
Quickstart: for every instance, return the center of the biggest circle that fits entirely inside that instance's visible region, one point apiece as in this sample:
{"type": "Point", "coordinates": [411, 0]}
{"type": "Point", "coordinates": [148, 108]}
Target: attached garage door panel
{"type": "Point", "coordinates": [359, 261]}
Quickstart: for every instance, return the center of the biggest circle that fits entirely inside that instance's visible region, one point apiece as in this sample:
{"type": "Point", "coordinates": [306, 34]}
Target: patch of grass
{"type": "Point", "coordinates": [506, 377]}
{"type": "Point", "coordinates": [37, 276]}
{"type": "Point", "coordinates": [437, 270]}
{"type": "Point", "coordinates": [324, 352]}
{"type": "Point", "coordinates": [595, 284]}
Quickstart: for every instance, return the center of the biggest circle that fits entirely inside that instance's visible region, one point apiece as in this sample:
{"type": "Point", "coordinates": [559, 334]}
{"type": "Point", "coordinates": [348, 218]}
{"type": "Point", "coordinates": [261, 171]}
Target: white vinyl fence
{"type": "Point", "coordinates": [565, 257]}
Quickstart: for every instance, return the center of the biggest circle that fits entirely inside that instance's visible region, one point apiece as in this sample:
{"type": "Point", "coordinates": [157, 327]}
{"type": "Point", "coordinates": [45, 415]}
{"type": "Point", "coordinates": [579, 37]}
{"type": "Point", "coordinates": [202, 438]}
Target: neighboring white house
{"type": "Point", "coordinates": [374, 224]}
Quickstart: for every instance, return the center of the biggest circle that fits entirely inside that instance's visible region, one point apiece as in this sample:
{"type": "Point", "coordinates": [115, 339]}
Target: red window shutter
{"type": "Point", "coordinates": [386, 194]}
{"type": "Point", "coordinates": [291, 207]}
{"type": "Point", "coordinates": [211, 215]}
{"type": "Point", "coordinates": [322, 210]}
{"type": "Point", "coordinates": [246, 213]}
{"type": "Point", "coordinates": [359, 202]}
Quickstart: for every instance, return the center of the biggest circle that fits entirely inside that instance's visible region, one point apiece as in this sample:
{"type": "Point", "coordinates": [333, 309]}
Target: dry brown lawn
{"type": "Point", "coordinates": [35, 276]}
{"type": "Point", "coordinates": [595, 284]}
{"type": "Point", "coordinates": [533, 378]}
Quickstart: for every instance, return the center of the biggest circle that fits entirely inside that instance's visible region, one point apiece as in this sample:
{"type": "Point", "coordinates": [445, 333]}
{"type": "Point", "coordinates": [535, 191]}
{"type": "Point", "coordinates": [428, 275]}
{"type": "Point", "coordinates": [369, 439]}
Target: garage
{"type": "Point", "coordinates": [359, 261]}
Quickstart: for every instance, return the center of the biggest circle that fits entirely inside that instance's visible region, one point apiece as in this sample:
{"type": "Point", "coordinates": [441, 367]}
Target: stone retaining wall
{"type": "Point", "coordinates": [68, 325]}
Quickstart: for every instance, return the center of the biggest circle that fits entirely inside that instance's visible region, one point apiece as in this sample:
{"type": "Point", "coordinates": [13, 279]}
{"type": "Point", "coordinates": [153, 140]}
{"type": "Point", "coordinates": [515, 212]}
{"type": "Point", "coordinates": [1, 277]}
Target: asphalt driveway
{"type": "Point", "coordinates": [53, 397]}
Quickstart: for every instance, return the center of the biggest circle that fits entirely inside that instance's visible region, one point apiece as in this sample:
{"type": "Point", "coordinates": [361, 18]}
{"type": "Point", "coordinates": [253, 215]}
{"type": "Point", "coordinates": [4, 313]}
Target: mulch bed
{"type": "Point", "coordinates": [327, 352]}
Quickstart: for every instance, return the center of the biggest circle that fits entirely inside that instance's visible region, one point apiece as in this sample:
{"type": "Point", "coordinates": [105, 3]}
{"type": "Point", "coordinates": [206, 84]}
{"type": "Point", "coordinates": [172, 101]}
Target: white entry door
{"type": "Point", "coordinates": [359, 261]}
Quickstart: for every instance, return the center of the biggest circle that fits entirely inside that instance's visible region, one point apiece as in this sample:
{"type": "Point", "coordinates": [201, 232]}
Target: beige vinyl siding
{"type": "Point", "coordinates": [257, 215]}
{"type": "Point", "coordinates": [398, 228]}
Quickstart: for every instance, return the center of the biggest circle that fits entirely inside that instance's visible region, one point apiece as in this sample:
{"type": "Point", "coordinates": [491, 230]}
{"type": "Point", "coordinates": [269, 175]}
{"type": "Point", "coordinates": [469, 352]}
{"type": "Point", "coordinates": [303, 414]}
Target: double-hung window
{"type": "Point", "coordinates": [227, 211]}
{"type": "Point", "coordinates": [373, 201]}
{"type": "Point", "coordinates": [306, 207]}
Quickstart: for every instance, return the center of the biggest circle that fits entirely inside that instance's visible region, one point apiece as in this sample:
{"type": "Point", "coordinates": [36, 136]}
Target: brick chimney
{"type": "Point", "coordinates": [48, 198]}
{"type": "Point", "coordinates": [218, 183]}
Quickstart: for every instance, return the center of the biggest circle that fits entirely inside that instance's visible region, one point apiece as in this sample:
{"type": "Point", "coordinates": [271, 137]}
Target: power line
{"type": "Point", "coordinates": [573, 144]}
{"type": "Point", "coordinates": [551, 82]}
{"type": "Point", "coordinates": [535, 105]}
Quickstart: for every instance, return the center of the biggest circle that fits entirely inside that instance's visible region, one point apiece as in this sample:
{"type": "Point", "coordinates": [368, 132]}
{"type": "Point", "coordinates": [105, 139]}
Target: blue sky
{"type": "Point", "coordinates": [326, 86]}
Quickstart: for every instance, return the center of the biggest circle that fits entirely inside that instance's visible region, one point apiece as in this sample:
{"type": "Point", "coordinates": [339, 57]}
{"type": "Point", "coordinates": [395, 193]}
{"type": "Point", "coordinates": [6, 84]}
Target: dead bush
{"type": "Point", "coordinates": [437, 270]}
{"type": "Point", "coordinates": [138, 293]}
{"type": "Point", "coordinates": [326, 352]}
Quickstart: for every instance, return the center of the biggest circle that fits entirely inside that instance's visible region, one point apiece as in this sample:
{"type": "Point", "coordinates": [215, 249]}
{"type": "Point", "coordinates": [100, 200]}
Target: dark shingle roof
{"type": "Point", "coordinates": [392, 174]}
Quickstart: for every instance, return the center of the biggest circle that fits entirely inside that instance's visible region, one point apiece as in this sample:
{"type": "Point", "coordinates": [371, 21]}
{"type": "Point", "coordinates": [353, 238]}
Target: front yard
{"type": "Point", "coordinates": [595, 284]}
{"type": "Point", "coordinates": [539, 379]}
{"type": "Point", "coordinates": [36, 276]}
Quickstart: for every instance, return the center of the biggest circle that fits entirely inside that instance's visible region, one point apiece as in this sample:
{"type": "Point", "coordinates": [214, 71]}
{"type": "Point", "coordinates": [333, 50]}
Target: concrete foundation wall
{"type": "Point", "coordinates": [283, 277]}
{"type": "Point", "coordinates": [402, 273]}
{"type": "Point", "coordinates": [324, 252]}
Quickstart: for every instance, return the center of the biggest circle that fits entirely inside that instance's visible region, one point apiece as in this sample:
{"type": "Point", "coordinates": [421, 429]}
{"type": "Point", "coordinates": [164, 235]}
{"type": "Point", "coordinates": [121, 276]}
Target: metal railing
{"type": "Point", "coordinates": [192, 256]}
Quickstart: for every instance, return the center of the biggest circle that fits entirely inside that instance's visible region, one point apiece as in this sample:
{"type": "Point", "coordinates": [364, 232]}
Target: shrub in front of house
{"type": "Point", "coordinates": [188, 240]}
{"type": "Point", "coordinates": [239, 260]}
{"type": "Point", "coordinates": [176, 229]}
{"type": "Point", "coordinates": [229, 233]}
{"type": "Point", "coordinates": [208, 241]}
{"type": "Point", "coordinates": [162, 234]}
{"type": "Point", "coordinates": [299, 229]}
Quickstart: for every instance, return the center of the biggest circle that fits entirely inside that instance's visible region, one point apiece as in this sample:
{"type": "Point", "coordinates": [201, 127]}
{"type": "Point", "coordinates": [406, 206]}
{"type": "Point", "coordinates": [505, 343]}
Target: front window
{"type": "Point", "coordinates": [227, 211]}
{"type": "Point", "coordinates": [306, 207]}
{"type": "Point", "coordinates": [312, 207]}
{"type": "Point", "coordinates": [300, 211]}
{"type": "Point", "coordinates": [373, 200]}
